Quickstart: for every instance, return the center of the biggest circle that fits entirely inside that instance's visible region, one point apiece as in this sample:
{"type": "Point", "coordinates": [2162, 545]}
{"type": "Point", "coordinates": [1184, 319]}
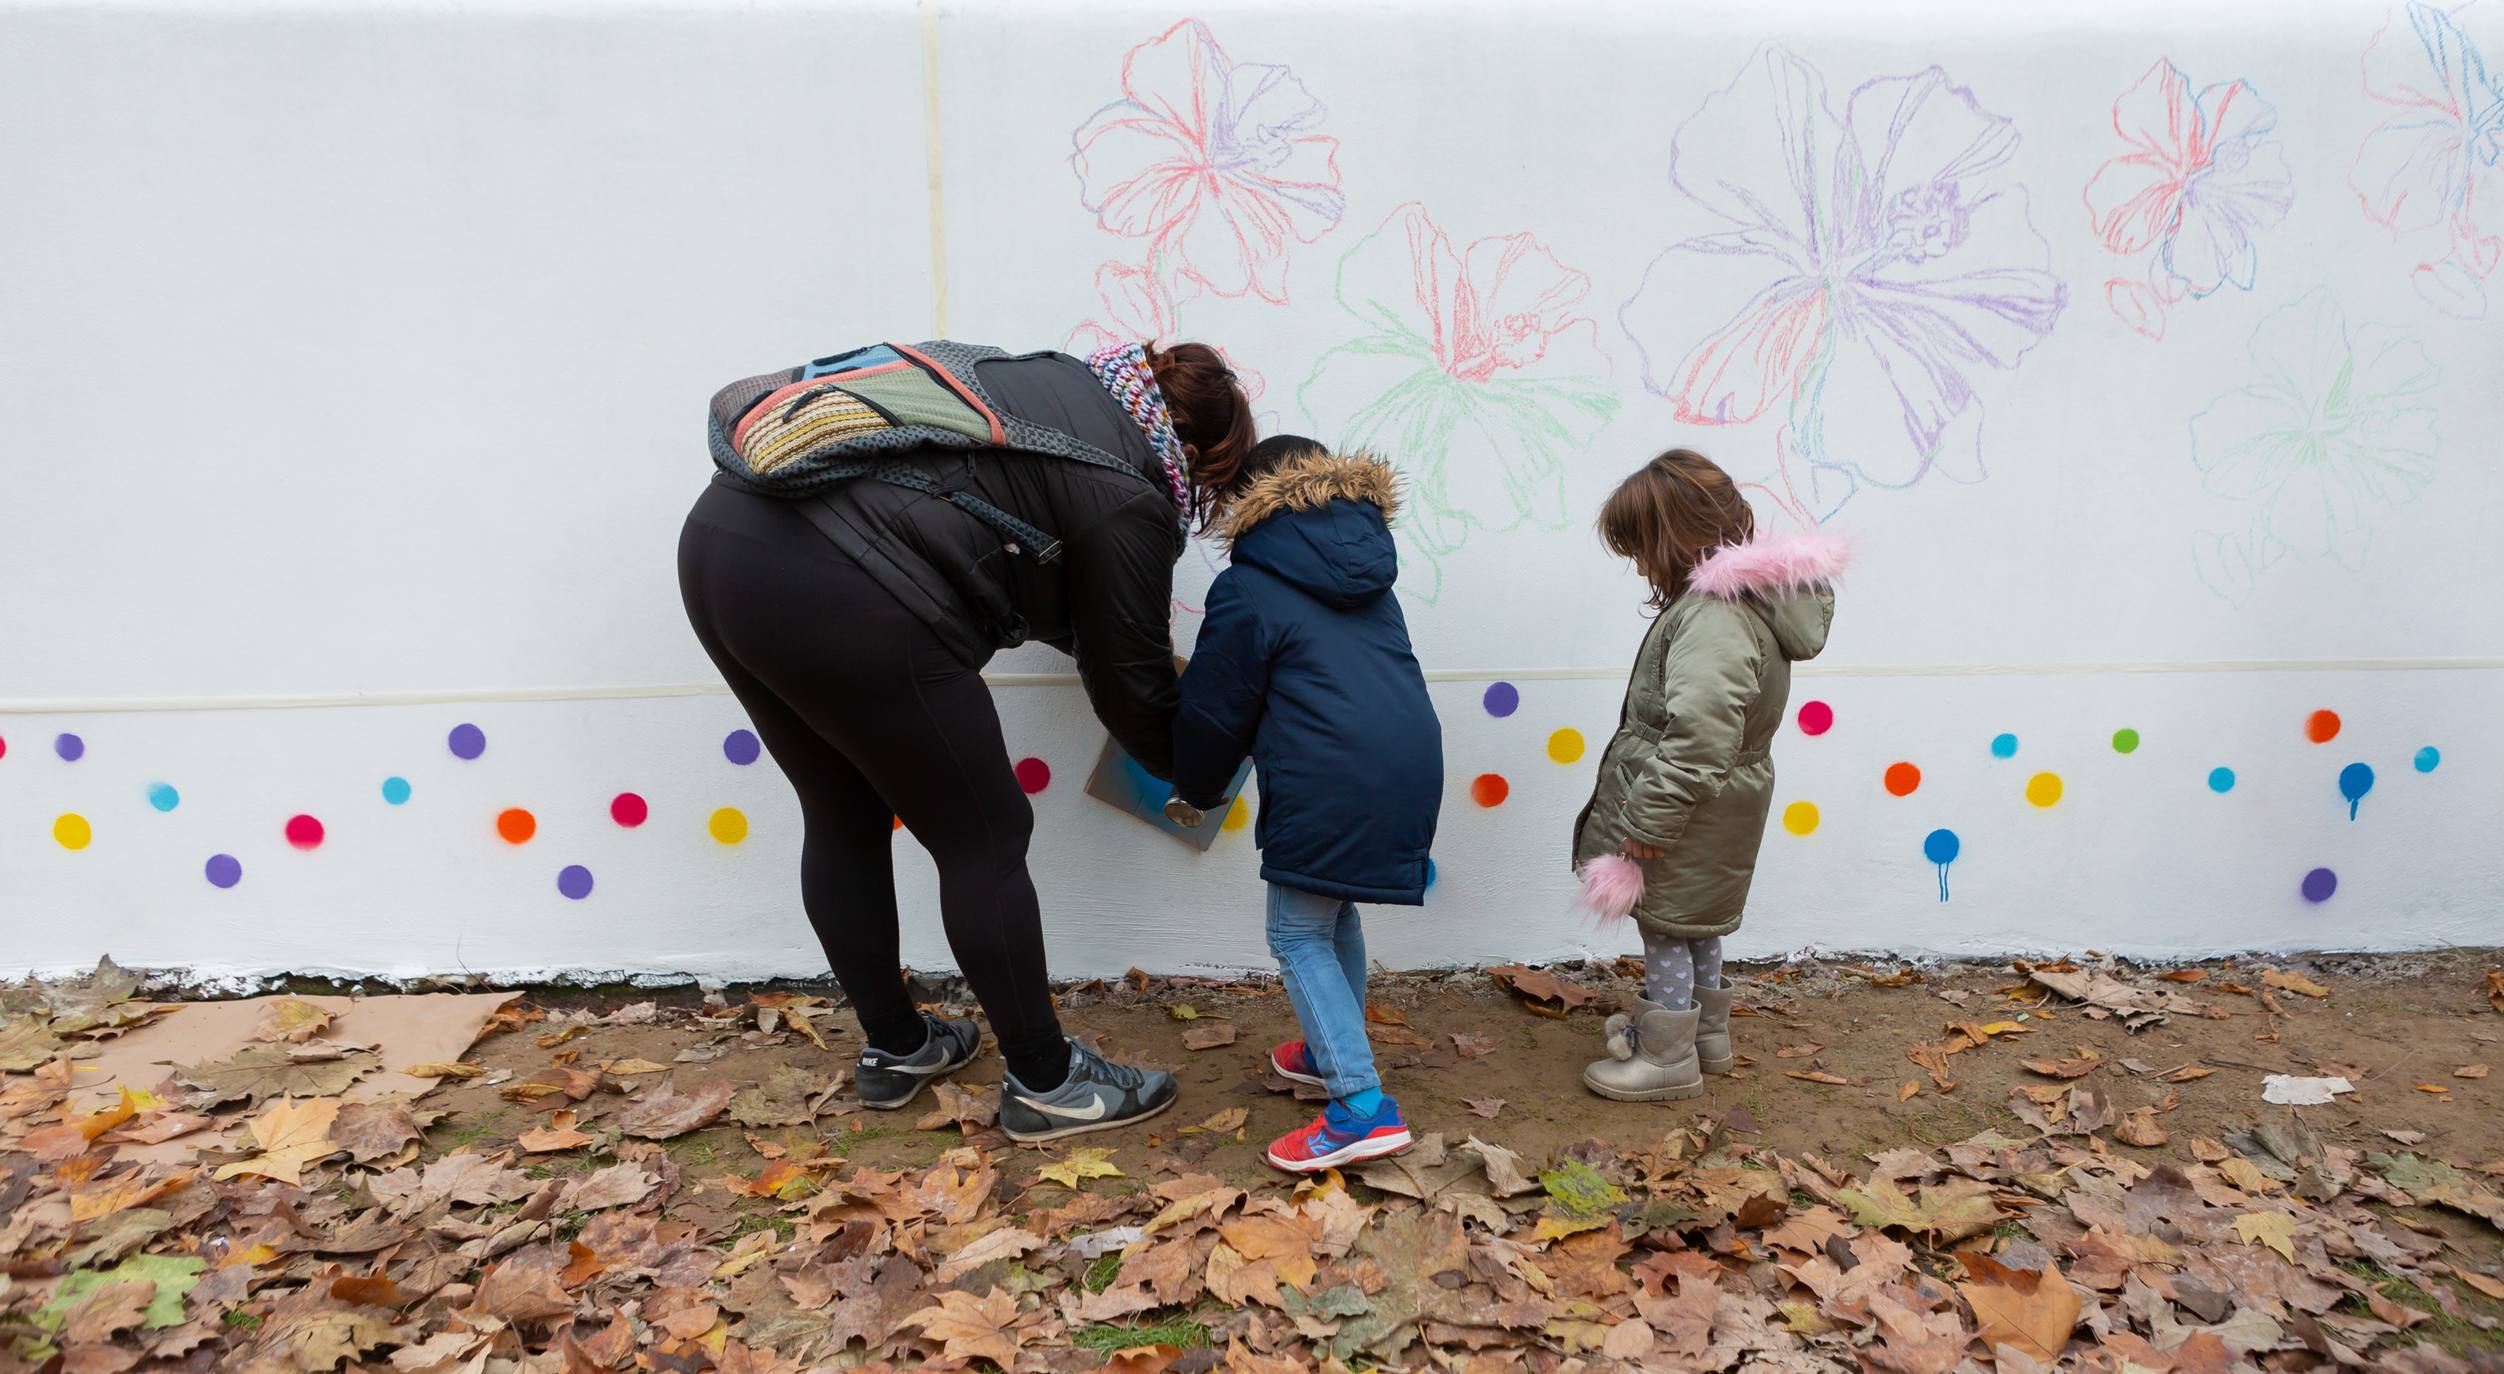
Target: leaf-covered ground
{"type": "Point", "coordinates": [2011, 1169]}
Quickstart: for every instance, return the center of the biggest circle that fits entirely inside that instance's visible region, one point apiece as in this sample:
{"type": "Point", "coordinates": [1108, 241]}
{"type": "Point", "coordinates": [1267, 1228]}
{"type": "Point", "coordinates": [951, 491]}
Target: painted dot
{"type": "Point", "coordinates": [728, 825]}
{"type": "Point", "coordinates": [899, 824]}
{"type": "Point", "coordinates": [2221, 780]}
{"type": "Point", "coordinates": [4, 747]}
{"type": "Point", "coordinates": [70, 747]}
{"type": "Point", "coordinates": [2355, 781]}
{"type": "Point", "coordinates": [1800, 818]}
{"type": "Point", "coordinates": [574, 881]}
{"type": "Point", "coordinates": [1902, 778]}
{"type": "Point", "coordinates": [304, 832]}
{"type": "Point", "coordinates": [2125, 741]}
{"type": "Point", "coordinates": [1033, 775]}
{"type": "Point", "coordinates": [1941, 846]}
{"type": "Point", "coordinates": [1489, 789]}
{"type": "Point", "coordinates": [1502, 699]}
{"type": "Point", "coordinates": [2003, 746]}
{"type": "Point", "coordinates": [466, 741]}
{"type": "Point", "coordinates": [2428, 759]}
{"type": "Point", "coordinates": [1565, 746]}
{"type": "Point", "coordinates": [1816, 718]}
{"type": "Point", "coordinates": [2044, 789]}
{"type": "Point", "coordinates": [2319, 884]}
{"type": "Point", "coordinates": [1238, 815]}
{"type": "Point", "coordinates": [2321, 727]}
{"type": "Point", "coordinates": [1431, 875]}
{"type": "Point", "coordinates": [516, 825]}
{"type": "Point", "coordinates": [741, 747]}
{"type": "Point", "coordinates": [72, 830]}
{"type": "Point", "coordinates": [223, 870]}
{"type": "Point", "coordinates": [163, 797]}
{"type": "Point", "coordinates": [396, 791]}
{"type": "Point", "coordinates": [629, 810]}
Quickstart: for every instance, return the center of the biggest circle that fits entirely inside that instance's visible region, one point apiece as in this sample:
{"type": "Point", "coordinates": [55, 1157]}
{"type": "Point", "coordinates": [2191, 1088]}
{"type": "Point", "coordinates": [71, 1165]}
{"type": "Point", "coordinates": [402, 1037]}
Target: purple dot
{"type": "Point", "coordinates": [2319, 884]}
{"type": "Point", "coordinates": [467, 741]}
{"type": "Point", "coordinates": [70, 747]}
{"type": "Point", "coordinates": [574, 881]}
{"type": "Point", "coordinates": [223, 870]}
{"type": "Point", "coordinates": [1503, 699]}
{"type": "Point", "coordinates": [740, 747]}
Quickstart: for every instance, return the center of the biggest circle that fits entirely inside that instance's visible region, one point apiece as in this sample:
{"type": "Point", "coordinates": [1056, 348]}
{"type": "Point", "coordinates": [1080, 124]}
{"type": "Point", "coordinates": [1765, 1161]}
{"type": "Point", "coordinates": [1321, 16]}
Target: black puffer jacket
{"type": "Point", "coordinates": [1107, 601]}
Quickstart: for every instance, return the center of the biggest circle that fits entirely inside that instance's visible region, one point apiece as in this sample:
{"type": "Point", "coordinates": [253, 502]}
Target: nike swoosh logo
{"type": "Point", "coordinates": [1095, 1108]}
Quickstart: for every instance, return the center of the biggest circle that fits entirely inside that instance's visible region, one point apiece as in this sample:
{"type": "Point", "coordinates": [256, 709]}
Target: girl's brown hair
{"type": "Point", "coordinates": [1212, 417]}
{"type": "Point", "coordinates": [1670, 514]}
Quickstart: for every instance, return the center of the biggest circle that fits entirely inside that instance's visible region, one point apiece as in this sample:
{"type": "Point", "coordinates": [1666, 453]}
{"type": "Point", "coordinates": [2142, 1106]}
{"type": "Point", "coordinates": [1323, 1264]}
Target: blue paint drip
{"type": "Point", "coordinates": [2004, 746]}
{"type": "Point", "coordinates": [2428, 759]}
{"type": "Point", "coordinates": [1941, 847]}
{"type": "Point", "coordinates": [2221, 780]}
{"type": "Point", "coordinates": [2355, 781]}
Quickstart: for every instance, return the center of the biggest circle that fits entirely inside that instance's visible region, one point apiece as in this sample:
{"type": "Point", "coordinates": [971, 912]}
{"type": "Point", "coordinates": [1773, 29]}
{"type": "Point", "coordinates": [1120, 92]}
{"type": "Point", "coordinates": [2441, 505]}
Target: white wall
{"type": "Point", "coordinates": [354, 358]}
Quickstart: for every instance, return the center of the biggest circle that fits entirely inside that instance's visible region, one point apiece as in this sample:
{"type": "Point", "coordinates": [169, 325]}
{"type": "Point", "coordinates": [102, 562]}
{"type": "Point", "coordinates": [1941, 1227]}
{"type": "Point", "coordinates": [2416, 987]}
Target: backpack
{"type": "Point", "coordinates": [800, 432]}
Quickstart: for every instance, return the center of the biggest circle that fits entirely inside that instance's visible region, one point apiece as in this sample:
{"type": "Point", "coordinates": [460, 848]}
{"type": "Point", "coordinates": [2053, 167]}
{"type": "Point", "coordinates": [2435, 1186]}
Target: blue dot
{"type": "Point", "coordinates": [2320, 884]}
{"type": "Point", "coordinates": [1941, 846]}
{"type": "Point", "coordinates": [467, 741]}
{"type": "Point", "coordinates": [2355, 781]}
{"type": "Point", "coordinates": [70, 747]}
{"type": "Point", "coordinates": [2221, 780]}
{"type": "Point", "coordinates": [1503, 699]}
{"type": "Point", "coordinates": [740, 747]}
{"type": "Point", "coordinates": [2428, 759]}
{"type": "Point", "coordinates": [2004, 746]}
{"type": "Point", "coordinates": [163, 797]}
{"type": "Point", "coordinates": [396, 790]}
{"type": "Point", "coordinates": [1430, 875]}
{"type": "Point", "coordinates": [223, 870]}
{"type": "Point", "coordinates": [574, 881]}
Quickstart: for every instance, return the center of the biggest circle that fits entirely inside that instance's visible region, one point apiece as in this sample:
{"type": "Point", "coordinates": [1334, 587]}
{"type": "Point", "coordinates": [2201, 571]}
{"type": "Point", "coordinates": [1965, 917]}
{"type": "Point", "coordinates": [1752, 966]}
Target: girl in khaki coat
{"type": "Point", "coordinates": [1673, 825]}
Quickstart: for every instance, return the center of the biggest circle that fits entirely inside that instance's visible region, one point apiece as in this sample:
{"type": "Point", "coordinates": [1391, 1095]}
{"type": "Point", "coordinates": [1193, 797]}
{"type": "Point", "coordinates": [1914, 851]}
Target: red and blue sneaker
{"type": "Point", "coordinates": [1337, 1137]}
{"type": "Point", "coordinates": [1294, 1063]}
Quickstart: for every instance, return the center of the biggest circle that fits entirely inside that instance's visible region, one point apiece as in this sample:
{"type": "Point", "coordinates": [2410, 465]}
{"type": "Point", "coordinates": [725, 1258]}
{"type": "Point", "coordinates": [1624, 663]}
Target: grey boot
{"type": "Point", "coordinates": [1712, 1030]}
{"type": "Point", "coordinates": [1651, 1057]}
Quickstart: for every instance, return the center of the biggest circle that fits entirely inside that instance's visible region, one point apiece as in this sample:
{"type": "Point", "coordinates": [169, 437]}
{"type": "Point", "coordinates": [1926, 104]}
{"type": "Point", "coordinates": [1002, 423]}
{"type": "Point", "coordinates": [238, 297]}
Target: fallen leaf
{"type": "Point", "coordinates": [444, 1071]}
{"type": "Point", "coordinates": [967, 1327]}
{"type": "Point", "coordinates": [2294, 982]}
{"type": "Point", "coordinates": [2407, 1137]}
{"type": "Point", "coordinates": [2435, 1088]}
{"type": "Point", "coordinates": [2470, 1071]}
{"type": "Point", "coordinates": [2184, 975]}
{"type": "Point", "coordinates": [1485, 1106]}
{"type": "Point", "coordinates": [475, 1179]}
{"type": "Point", "coordinates": [2495, 988]}
{"type": "Point", "coordinates": [2032, 1310]}
{"type": "Point", "coordinates": [1226, 1122]}
{"type": "Point", "coordinates": [2273, 1229]}
{"type": "Point", "coordinates": [291, 1019]}
{"type": "Point", "coordinates": [261, 1071]}
{"type": "Point", "coordinates": [1208, 1037]}
{"type": "Point", "coordinates": [1004, 1244]}
{"type": "Point", "coordinates": [1907, 1090]}
{"type": "Point", "coordinates": [2493, 1288]}
{"type": "Point", "coordinates": [670, 1110]}
{"type": "Point", "coordinates": [1799, 1051]}
{"type": "Point", "coordinates": [291, 1134]}
{"type": "Point", "coordinates": [969, 1111]}
{"type": "Point", "coordinates": [369, 1131]}
{"type": "Point", "coordinates": [619, 1185]}
{"type": "Point", "coordinates": [1381, 1015]}
{"type": "Point", "coordinates": [634, 1068]}
{"type": "Point", "coordinates": [2139, 1129]}
{"type": "Point", "coordinates": [1080, 1164]}
{"type": "Point", "coordinates": [1473, 1046]}
{"type": "Point", "coordinates": [2078, 1065]}
{"type": "Point", "coordinates": [558, 1134]}
{"type": "Point", "coordinates": [1183, 1011]}
{"type": "Point", "coordinates": [2189, 1073]}
{"type": "Point", "coordinates": [1818, 1076]}
{"type": "Point", "coordinates": [1541, 991]}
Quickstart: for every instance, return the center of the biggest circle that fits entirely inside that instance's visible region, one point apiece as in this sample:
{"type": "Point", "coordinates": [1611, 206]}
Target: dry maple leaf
{"type": "Point", "coordinates": [1213, 1035]}
{"type": "Point", "coordinates": [2273, 1229]}
{"type": "Point", "coordinates": [291, 1019]}
{"type": "Point", "coordinates": [1003, 1244]}
{"type": "Point", "coordinates": [2032, 1310]}
{"type": "Point", "coordinates": [476, 1179]}
{"type": "Point", "coordinates": [1818, 1076]}
{"type": "Point", "coordinates": [291, 1134]}
{"type": "Point", "coordinates": [619, 1185]}
{"type": "Point", "coordinates": [1541, 991]}
{"type": "Point", "coordinates": [2078, 1065]}
{"type": "Point", "coordinates": [670, 1110]}
{"type": "Point", "coordinates": [970, 1112]}
{"type": "Point", "coordinates": [1381, 1015]}
{"type": "Point", "coordinates": [967, 1327]}
{"type": "Point", "coordinates": [1799, 1051]}
{"type": "Point", "coordinates": [261, 1071]}
{"type": "Point", "coordinates": [2470, 1071]}
{"type": "Point", "coordinates": [2139, 1129]}
{"type": "Point", "coordinates": [1473, 1046]}
{"type": "Point", "coordinates": [1078, 1165]}
{"type": "Point", "coordinates": [1485, 1106]}
{"type": "Point", "coordinates": [455, 1070]}
{"type": "Point", "coordinates": [2495, 988]}
{"type": "Point", "coordinates": [369, 1131]}
{"type": "Point", "coordinates": [1226, 1122]}
{"type": "Point", "coordinates": [558, 1134]}
{"type": "Point", "coordinates": [2294, 982]}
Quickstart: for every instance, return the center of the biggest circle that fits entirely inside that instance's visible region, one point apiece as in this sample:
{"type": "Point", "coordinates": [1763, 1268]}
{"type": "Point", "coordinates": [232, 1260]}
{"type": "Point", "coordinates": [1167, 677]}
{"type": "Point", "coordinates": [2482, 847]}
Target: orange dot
{"type": "Point", "coordinates": [516, 825]}
{"type": "Point", "coordinates": [1489, 789]}
{"type": "Point", "coordinates": [1902, 778]}
{"type": "Point", "coordinates": [899, 825]}
{"type": "Point", "coordinates": [2321, 727]}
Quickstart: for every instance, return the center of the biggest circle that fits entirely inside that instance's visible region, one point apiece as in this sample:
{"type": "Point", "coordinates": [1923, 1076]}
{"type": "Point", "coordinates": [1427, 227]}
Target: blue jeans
{"type": "Point", "coordinates": [1321, 951]}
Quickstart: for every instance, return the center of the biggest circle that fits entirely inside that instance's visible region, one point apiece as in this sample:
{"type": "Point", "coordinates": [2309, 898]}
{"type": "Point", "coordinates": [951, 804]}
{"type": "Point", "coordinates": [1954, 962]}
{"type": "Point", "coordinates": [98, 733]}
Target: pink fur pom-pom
{"type": "Point", "coordinates": [1772, 563]}
{"type": "Point", "coordinates": [1611, 886]}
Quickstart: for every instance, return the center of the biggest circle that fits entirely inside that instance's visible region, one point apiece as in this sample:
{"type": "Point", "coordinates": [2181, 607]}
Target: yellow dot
{"type": "Point", "coordinates": [73, 831]}
{"type": "Point", "coordinates": [1238, 815]}
{"type": "Point", "coordinates": [1565, 745]}
{"type": "Point", "coordinates": [729, 825]}
{"type": "Point", "coordinates": [1800, 817]}
{"type": "Point", "coordinates": [2044, 789]}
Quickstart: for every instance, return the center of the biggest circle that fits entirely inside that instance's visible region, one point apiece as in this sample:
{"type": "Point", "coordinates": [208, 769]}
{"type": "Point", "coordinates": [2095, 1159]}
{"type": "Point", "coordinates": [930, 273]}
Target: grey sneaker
{"type": "Point", "coordinates": [888, 1081]}
{"type": "Point", "coordinates": [1098, 1095]}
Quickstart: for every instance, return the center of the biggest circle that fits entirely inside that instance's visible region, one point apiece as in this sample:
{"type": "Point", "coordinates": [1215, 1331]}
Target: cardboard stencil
{"type": "Point", "coordinates": [1120, 782]}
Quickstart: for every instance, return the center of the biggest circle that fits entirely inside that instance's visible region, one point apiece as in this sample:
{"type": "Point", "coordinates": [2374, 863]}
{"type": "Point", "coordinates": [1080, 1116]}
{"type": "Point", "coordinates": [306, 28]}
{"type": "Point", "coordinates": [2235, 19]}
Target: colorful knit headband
{"type": "Point", "coordinates": [1124, 371]}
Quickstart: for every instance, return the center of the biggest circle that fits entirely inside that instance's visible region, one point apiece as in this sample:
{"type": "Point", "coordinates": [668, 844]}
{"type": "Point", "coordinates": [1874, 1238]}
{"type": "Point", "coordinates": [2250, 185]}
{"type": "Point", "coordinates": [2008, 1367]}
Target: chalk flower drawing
{"type": "Point", "coordinates": [1474, 376]}
{"type": "Point", "coordinates": [2430, 171]}
{"type": "Point", "coordinates": [2336, 429]}
{"type": "Point", "coordinates": [1860, 270]}
{"type": "Point", "coordinates": [1215, 162]}
{"type": "Point", "coordinates": [2204, 174]}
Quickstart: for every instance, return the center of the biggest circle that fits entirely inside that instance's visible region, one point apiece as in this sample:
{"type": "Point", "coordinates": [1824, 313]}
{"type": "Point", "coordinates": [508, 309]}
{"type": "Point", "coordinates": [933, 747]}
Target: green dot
{"type": "Point", "coordinates": [2125, 740]}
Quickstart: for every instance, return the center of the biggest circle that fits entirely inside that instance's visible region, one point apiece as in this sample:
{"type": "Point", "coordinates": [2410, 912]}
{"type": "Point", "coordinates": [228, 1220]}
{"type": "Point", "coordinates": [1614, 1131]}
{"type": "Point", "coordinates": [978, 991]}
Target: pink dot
{"type": "Point", "coordinates": [304, 832]}
{"type": "Point", "coordinates": [629, 810]}
{"type": "Point", "coordinates": [1033, 775]}
{"type": "Point", "coordinates": [1816, 718]}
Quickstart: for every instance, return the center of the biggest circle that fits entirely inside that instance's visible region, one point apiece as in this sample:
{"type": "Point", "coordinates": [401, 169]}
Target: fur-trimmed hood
{"type": "Point", "coordinates": [1788, 577]}
{"type": "Point", "coordinates": [1321, 522]}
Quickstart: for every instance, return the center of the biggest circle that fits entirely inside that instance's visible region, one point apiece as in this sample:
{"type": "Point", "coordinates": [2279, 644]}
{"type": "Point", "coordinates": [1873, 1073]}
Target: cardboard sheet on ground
{"type": "Point", "coordinates": [426, 1028]}
{"type": "Point", "coordinates": [1120, 782]}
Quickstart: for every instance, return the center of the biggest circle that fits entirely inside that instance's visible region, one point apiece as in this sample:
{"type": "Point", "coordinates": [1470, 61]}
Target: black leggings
{"type": "Point", "coordinates": [872, 719]}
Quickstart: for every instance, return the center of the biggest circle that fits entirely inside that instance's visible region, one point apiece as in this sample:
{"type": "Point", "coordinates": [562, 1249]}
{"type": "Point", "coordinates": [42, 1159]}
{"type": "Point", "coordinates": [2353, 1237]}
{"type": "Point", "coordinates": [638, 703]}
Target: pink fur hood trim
{"type": "Point", "coordinates": [1772, 563]}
